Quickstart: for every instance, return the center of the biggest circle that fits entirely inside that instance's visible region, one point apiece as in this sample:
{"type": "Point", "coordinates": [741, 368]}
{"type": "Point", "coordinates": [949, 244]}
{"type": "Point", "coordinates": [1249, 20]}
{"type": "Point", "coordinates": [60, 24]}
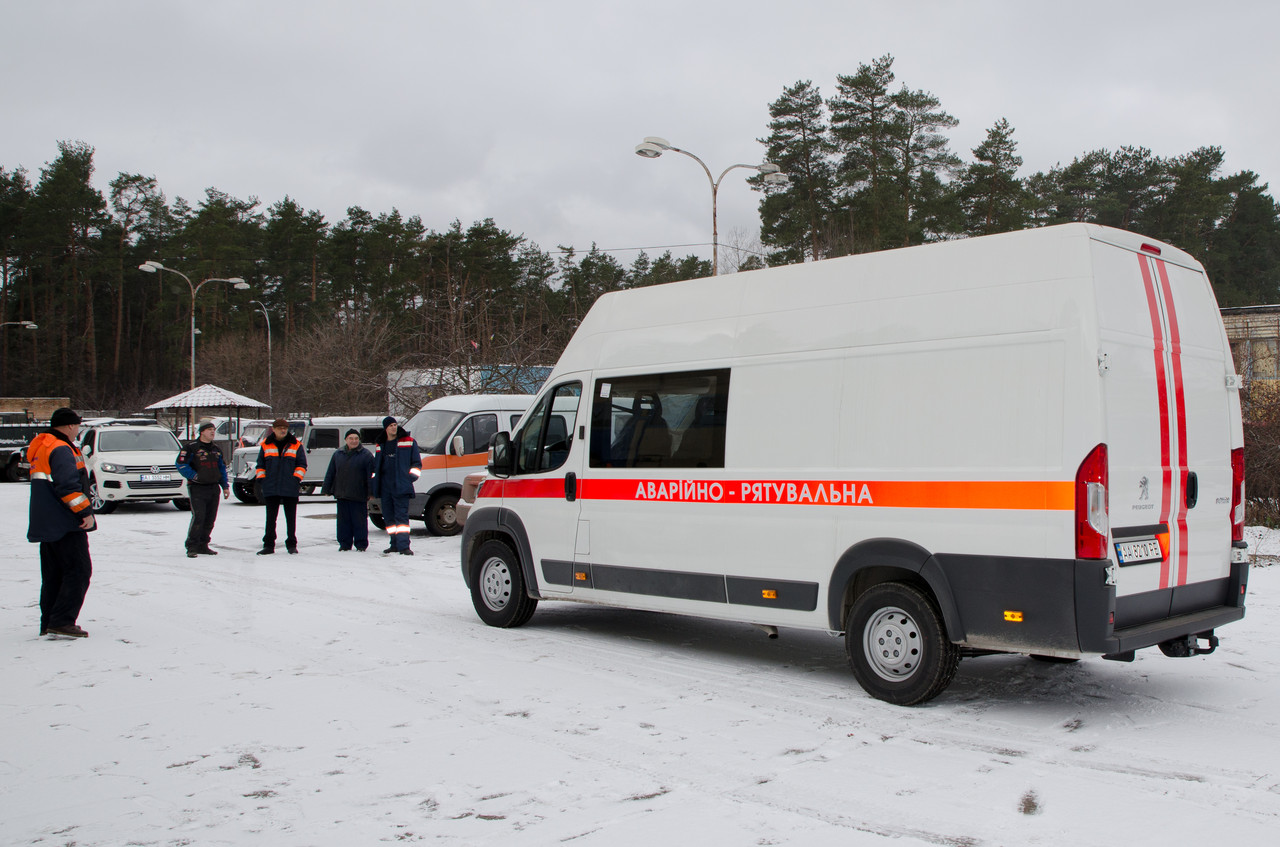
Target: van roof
{"type": "Point", "coordinates": [833, 303]}
{"type": "Point", "coordinates": [348, 420]}
{"type": "Point", "coordinates": [468, 403]}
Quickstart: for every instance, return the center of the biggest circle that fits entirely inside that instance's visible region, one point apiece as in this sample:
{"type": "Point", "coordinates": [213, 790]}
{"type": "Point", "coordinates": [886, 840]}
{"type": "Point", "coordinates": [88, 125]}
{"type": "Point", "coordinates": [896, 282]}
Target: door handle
{"type": "Point", "coordinates": [570, 487]}
{"type": "Point", "coordinates": [1193, 489]}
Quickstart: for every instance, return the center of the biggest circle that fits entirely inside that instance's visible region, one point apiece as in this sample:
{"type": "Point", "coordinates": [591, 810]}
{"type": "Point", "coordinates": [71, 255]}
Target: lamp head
{"type": "Point", "coordinates": [648, 151]}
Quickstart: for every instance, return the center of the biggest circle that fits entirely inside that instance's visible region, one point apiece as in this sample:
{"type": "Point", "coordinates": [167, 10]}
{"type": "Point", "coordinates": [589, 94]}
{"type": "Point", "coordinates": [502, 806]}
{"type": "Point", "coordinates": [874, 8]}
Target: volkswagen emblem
{"type": "Point", "coordinates": [155, 469]}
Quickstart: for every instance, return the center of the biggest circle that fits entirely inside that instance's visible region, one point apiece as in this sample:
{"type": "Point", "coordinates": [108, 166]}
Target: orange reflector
{"type": "Point", "coordinates": [1013, 617]}
{"type": "Point", "coordinates": [769, 594]}
{"type": "Point", "coordinates": [1163, 538]}
{"type": "Point", "coordinates": [580, 576]}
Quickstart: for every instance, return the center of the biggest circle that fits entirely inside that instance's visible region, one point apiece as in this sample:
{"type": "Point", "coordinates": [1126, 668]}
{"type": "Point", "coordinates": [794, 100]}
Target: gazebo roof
{"type": "Point", "coordinates": [207, 397]}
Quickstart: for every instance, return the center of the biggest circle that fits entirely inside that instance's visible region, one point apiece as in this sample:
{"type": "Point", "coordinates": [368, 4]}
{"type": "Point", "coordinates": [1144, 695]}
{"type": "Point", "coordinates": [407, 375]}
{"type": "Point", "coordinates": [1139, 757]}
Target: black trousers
{"type": "Point", "coordinates": [290, 505]}
{"type": "Point", "coordinates": [204, 512]}
{"type": "Point", "coordinates": [395, 513]}
{"type": "Point", "coordinates": [353, 524]}
{"type": "Point", "coordinates": [65, 569]}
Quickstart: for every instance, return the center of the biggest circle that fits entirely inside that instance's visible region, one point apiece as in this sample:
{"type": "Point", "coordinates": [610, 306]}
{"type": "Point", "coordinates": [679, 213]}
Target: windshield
{"type": "Point", "coordinates": [431, 427]}
{"type": "Point", "coordinates": [114, 441]}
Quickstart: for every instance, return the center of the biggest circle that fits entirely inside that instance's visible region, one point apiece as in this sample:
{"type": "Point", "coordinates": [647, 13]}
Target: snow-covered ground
{"type": "Point", "coordinates": [344, 699]}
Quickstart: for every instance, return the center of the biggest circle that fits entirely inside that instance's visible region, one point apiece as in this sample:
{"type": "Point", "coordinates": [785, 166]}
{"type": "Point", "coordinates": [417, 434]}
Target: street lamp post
{"type": "Point", "coordinates": [270, 401]}
{"type": "Point", "coordinates": [152, 267]}
{"type": "Point", "coordinates": [653, 147]}
{"type": "Point", "coordinates": [25, 324]}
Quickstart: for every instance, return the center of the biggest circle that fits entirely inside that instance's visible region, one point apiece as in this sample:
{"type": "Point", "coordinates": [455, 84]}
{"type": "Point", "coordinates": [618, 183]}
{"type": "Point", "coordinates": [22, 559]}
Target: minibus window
{"type": "Point", "coordinates": [673, 420]}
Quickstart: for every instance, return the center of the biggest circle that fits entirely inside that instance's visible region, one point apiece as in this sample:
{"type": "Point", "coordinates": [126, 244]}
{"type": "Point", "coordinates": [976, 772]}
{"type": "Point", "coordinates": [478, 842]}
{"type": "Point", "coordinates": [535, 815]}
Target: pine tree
{"type": "Point", "coordinates": [923, 156]}
{"type": "Point", "coordinates": [866, 125]}
{"type": "Point", "coordinates": [990, 191]}
{"type": "Point", "coordinates": [792, 217]}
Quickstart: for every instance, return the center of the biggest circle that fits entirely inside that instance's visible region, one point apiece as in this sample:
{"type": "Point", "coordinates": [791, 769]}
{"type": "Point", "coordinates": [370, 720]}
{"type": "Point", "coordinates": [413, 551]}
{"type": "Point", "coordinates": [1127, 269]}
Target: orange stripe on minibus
{"type": "Point", "coordinates": [1038, 495]}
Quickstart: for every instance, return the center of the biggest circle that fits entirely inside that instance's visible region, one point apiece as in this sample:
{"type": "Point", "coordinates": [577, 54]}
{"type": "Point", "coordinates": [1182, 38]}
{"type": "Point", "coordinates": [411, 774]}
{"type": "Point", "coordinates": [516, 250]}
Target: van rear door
{"type": "Point", "coordinates": [1168, 416]}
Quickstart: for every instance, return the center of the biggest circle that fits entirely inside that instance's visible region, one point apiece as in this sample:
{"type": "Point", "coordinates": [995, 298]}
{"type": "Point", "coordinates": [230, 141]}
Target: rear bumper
{"type": "Point", "coordinates": [1067, 607]}
{"type": "Point", "coordinates": [1144, 620]}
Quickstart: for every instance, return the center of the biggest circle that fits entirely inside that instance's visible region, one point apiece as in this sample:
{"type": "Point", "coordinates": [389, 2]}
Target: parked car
{"type": "Point", "coordinates": [132, 462]}
{"type": "Point", "coordinates": [467, 497]}
{"type": "Point", "coordinates": [321, 437]}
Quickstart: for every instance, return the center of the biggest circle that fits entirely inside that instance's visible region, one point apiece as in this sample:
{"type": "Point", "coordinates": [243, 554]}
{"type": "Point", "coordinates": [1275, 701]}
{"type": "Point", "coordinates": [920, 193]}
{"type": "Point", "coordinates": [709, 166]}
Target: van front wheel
{"type": "Point", "coordinates": [898, 646]}
{"type": "Point", "coordinates": [442, 516]}
{"type": "Point", "coordinates": [497, 586]}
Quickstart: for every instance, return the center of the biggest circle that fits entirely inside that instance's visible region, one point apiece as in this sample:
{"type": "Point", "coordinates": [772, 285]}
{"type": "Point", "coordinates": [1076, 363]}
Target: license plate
{"type": "Point", "coordinates": [157, 477]}
{"type": "Point", "coordinates": [1131, 552]}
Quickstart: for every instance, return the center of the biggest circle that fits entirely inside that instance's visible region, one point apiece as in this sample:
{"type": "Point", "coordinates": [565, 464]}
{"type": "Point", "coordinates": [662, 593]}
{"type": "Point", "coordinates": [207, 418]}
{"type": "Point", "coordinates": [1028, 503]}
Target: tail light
{"type": "Point", "coordinates": [1092, 522]}
{"type": "Point", "coordinates": [1237, 494]}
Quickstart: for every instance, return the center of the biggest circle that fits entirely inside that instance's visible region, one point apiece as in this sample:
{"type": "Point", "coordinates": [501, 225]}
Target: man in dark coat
{"type": "Point", "coordinates": [282, 463]}
{"type": "Point", "coordinates": [397, 464]}
{"type": "Point", "coordinates": [60, 519]}
{"type": "Point", "coordinates": [347, 481]}
{"type": "Point", "coordinates": [202, 465]}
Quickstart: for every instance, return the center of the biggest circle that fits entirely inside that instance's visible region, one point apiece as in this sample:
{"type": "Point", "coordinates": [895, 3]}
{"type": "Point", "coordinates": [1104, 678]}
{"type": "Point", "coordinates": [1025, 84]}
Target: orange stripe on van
{"type": "Point", "coordinates": [435, 462]}
{"type": "Point", "coordinates": [1035, 495]}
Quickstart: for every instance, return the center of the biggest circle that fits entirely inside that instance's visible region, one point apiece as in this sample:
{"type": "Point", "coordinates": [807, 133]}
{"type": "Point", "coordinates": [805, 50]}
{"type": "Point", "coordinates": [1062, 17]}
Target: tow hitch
{"type": "Point", "coordinates": [1181, 648]}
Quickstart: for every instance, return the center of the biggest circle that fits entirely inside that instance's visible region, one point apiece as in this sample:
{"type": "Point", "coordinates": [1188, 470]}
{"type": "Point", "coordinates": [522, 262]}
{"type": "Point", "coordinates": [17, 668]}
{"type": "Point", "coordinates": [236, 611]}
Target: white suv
{"type": "Point", "coordinates": [132, 463]}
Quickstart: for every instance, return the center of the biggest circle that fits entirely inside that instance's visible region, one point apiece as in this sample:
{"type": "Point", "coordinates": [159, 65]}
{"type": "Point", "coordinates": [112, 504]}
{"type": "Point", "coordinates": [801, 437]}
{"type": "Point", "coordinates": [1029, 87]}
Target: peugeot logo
{"type": "Point", "coordinates": [155, 469]}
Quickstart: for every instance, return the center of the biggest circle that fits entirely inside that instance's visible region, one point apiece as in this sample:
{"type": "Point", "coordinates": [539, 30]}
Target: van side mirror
{"type": "Point", "coordinates": [86, 450]}
{"type": "Point", "coordinates": [455, 446]}
{"type": "Point", "coordinates": [501, 456]}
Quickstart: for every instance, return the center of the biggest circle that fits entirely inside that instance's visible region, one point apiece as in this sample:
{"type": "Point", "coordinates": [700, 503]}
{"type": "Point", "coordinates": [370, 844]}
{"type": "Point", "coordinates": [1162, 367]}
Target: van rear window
{"type": "Point", "coordinates": [671, 420]}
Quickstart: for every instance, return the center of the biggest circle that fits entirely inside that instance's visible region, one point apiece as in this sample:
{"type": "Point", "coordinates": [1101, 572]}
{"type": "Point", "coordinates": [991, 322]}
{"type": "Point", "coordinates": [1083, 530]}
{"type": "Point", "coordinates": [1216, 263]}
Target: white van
{"type": "Point", "coordinates": [453, 436]}
{"type": "Point", "coordinates": [1022, 443]}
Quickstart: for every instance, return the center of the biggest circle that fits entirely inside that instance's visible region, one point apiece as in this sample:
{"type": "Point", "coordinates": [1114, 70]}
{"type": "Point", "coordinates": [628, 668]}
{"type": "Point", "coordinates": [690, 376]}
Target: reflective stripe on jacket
{"type": "Point", "coordinates": [59, 488]}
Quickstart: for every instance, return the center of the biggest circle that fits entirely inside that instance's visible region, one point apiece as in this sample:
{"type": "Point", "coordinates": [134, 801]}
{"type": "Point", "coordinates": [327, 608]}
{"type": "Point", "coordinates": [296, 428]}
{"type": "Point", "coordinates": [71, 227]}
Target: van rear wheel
{"type": "Point", "coordinates": [897, 645]}
{"type": "Point", "coordinates": [497, 586]}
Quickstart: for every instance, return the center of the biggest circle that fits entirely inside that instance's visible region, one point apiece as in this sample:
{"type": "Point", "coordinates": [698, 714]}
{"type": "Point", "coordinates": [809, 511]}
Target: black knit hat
{"type": "Point", "coordinates": [388, 421]}
{"type": "Point", "coordinates": [354, 432]}
{"type": "Point", "coordinates": [63, 417]}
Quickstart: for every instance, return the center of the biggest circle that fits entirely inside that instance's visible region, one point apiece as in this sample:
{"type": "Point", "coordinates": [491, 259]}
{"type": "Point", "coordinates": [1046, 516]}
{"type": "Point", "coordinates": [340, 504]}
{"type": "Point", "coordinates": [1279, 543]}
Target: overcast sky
{"type": "Point", "coordinates": [528, 113]}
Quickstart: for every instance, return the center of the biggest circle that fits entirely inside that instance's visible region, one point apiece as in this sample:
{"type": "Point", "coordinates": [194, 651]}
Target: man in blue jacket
{"type": "Point", "coordinates": [60, 519]}
{"type": "Point", "coordinates": [397, 464]}
{"type": "Point", "coordinates": [347, 481]}
{"type": "Point", "coordinates": [202, 465]}
{"type": "Point", "coordinates": [282, 463]}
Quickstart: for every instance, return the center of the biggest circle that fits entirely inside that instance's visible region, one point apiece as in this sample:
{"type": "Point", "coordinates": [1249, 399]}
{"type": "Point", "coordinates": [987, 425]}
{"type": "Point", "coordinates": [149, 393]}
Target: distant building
{"type": "Point", "coordinates": [23, 409]}
{"type": "Point", "coordinates": [1254, 333]}
{"type": "Point", "coordinates": [410, 390]}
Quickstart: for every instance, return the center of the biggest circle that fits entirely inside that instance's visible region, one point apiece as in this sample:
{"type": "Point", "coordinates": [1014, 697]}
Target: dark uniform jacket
{"type": "Point", "coordinates": [203, 464]}
{"type": "Point", "coordinates": [281, 466]}
{"type": "Point", "coordinates": [59, 487]}
{"type": "Point", "coordinates": [348, 475]}
{"type": "Point", "coordinates": [401, 468]}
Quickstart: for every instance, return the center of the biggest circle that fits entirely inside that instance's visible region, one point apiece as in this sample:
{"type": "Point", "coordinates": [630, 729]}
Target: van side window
{"type": "Point", "coordinates": [547, 434]}
{"type": "Point", "coordinates": [673, 420]}
{"type": "Point", "coordinates": [476, 433]}
{"type": "Point", "coordinates": [323, 438]}
{"type": "Point", "coordinates": [369, 434]}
